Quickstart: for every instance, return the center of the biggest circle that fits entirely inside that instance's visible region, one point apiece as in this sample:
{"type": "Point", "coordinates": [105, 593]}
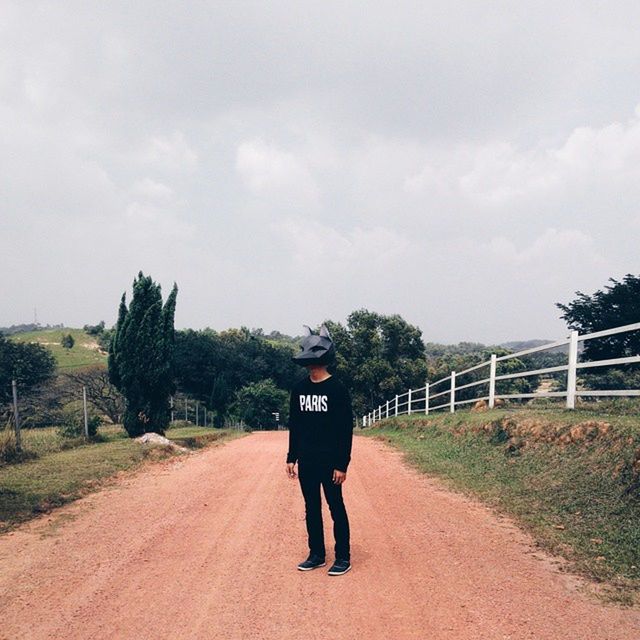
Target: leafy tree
{"type": "Point", "coordinates": [616, 305]}
{"type": "Point", "coordinates": [141, 356]}
{"type": "Point", "coordinates": [95, 329]}
{"type": "Point", "coordinates": [67, 341]}
{"type": "Point", "coordinates": [104, 339]}
{"type": "Point", "coordinates": [211, 366]}
{"type": "Point", "coordinates": [441, 367]}
{"type": "Point", "coordinates": [256, 402]}
{"type": "Point", "coordinates": [377, 356]}
{"type": "Point", "coordinates": [28, 363]}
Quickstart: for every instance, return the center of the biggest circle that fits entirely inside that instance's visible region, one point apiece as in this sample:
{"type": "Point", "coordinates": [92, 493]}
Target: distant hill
{"type": "Point", "coordinates": [437, 350]}
{"type": "Point", "coordinates": [85, 352]}
{"type": "Point", "coordinates": [530, 344]}
{"type": "Point", "coordinates": [14, 329]}
{"type": "Point", "coordinates": [521, 345]}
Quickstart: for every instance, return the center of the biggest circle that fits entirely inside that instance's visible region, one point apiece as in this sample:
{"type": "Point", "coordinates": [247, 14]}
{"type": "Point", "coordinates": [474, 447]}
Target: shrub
{"type": "Point", "coordinates": [72, 425]}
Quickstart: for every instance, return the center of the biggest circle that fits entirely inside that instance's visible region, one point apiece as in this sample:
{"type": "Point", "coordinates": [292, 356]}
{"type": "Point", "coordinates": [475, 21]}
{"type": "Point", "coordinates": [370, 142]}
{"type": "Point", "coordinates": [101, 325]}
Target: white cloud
{"type": "Point", "coordinates": [498, 174]}
{"type": "Point", "coordinates": [170, 152]}
{"type": "Point", "coordinates": [553, 243]}
{"type": "Point", "coordinates": [150, 220]}
{"type": "Point", "coordinates": [466, 177]}
{"type": "Point", "coordinates": [149, 188]}
{"type": "Point", "coordinates": [321, 249]}
{"type": "Point", "coordinates": [266, 169]}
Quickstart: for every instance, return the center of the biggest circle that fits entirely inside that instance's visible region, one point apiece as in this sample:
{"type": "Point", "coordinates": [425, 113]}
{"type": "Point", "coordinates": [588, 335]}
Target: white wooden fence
{"type": "Point", "coordinates": [420, 400]}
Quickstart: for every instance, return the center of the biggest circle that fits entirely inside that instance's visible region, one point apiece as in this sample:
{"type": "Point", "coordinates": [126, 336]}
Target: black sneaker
{"type": "Point", "coordinates": [312, 562]}
{"type": "Point", "coordinates": [339, 567]}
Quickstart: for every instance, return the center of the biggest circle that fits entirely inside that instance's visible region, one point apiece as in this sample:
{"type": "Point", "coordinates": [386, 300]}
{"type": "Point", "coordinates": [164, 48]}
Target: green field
{"type": "Point", "coordinates": [85, 351]}
{"type": "Point", "coordinates": [64, 470]}
{"type": "Point", "coordinates": [572, 479]}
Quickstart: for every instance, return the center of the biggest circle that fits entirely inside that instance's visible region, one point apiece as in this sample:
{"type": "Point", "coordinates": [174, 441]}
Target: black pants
{"type": "Point", "coordinates": [314, 473]}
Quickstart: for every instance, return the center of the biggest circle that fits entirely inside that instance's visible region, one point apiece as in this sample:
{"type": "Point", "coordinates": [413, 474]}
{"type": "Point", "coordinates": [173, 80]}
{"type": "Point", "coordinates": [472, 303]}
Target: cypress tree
{"type": "Point", "coordinates": [141, 356]}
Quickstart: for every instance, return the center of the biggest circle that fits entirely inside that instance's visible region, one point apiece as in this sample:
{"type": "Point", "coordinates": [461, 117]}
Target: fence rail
{"type": "Point", "coordinates": [419, 400]}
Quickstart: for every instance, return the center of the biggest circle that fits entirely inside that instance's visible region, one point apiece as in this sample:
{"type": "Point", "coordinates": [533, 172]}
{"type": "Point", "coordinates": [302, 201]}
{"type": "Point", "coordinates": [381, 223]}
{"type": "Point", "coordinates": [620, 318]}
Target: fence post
{"type": "Point", "coordinates": [571, 371]}
{"type": "Point", "coordinates": [86, 417]}
{"type": "Point", "coordinates": [409, 403]}
{"type": "Point", "coordinates": [492, 381]}
{"type": "Point", "coordinates": [386, 415]}
{"type": "Point", "coordinates": [171, 405]}
{"type": "Point", "coordinates": [16, 415]}
{"type": "Point", "coordinates": [186, 410]}
{"type": "Point", "coordinates": [396, 408]}
{"type": "Point", "coordinates": [197, 413]}
{"type": "Point", "coordinates": [453, 391]}
{"type": "Point", "coordinates": [426, 399]}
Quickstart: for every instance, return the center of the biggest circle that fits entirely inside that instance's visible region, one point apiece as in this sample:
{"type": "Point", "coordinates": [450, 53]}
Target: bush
{"type": "Point", "coordinates": [72, 425]}
{"type": "Point", "coordinates": [95, 329]}
{"type": "Point", "coordinates": [256, 403]}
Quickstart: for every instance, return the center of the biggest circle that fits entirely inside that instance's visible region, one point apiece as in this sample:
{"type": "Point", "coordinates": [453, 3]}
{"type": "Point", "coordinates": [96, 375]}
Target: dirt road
{"type": "Point", "coordinates": [206, 547]}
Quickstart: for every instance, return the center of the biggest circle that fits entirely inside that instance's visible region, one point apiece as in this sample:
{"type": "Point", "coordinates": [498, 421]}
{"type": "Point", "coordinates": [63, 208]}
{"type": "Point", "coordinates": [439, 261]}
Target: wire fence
{"type": "Point", "coordinates": [43, 407]}
{"type": "Point", "coordinates": [445, 392]}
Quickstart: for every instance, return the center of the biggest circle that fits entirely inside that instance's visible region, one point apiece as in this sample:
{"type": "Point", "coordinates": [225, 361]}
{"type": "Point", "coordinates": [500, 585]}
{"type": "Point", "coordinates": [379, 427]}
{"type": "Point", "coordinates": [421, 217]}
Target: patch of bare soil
{"type": "Point", "coordinates": [206, 547]}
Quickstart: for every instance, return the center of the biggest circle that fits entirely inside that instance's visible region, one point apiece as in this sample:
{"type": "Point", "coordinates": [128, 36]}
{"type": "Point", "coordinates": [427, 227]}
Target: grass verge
{"type": "Point", "coordinates": [572, 479]}
{"type": "Point", "coordinates": [58, 476]}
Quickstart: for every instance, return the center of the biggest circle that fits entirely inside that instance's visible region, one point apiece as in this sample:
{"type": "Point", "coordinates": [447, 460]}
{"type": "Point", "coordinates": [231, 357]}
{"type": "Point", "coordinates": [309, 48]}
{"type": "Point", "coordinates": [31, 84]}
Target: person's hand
{"type": "Point", "coordinates": [339, 476]}
{"type": "Point", "coordinates": [291, 469]}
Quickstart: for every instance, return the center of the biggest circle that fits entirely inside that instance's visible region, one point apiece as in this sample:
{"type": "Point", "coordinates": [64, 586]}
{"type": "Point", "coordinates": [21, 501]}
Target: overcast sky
{"type": "Point", "coordinates": [463, 164]}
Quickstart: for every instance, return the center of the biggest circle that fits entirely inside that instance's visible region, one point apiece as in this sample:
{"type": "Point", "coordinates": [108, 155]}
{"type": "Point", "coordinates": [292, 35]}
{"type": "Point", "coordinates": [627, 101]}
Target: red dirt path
{"type": "Point", "coordinates": [205, 547]}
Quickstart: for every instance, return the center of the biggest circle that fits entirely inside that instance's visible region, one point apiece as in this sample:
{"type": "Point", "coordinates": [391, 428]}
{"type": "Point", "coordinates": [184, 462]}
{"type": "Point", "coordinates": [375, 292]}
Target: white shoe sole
{"type": "Point", "coordinates": [339, 573]}
{"type": "Point", "coordinates": [324, 564]}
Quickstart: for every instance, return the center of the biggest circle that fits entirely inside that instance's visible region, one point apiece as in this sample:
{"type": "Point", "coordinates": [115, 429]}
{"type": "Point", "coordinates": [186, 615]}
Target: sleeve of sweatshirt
{"type": "Point", "coordinates": [294, 410]}
{"type": "Point", "coordinates": [345, 434]}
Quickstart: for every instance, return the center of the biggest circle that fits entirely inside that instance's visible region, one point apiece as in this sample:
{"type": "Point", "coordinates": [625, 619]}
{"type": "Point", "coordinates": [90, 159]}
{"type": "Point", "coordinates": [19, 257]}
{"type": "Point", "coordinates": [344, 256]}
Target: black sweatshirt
{"type": "Point", "coordinates": [321, 422]}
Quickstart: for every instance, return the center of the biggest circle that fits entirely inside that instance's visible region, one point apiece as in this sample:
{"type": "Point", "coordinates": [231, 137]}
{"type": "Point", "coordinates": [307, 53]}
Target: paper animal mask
{"type": "Point", "coordinates": [315, 348]}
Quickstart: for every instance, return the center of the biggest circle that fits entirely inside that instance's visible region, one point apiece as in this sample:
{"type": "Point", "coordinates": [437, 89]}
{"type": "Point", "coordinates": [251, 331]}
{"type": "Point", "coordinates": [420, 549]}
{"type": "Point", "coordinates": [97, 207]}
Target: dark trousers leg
{"type": "Point", "coordinates": [309, 476]}
{"type": "Point", "coordinates": [333, 495]}
{"type": "Point", "coordinates": [312, 475]}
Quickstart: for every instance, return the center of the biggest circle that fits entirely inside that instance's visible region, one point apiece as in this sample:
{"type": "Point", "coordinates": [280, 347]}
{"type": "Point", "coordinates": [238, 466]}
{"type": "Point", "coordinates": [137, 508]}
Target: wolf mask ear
{"type": "Point", "coordinates": [324, 332]}
{"type": "Point", "coordinates": [306, 331]}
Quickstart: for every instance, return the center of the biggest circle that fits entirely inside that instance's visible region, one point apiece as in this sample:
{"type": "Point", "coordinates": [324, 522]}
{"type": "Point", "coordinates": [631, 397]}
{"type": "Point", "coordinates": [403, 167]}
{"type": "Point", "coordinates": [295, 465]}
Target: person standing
{"type": "Point", "coordinates": [320, 442]}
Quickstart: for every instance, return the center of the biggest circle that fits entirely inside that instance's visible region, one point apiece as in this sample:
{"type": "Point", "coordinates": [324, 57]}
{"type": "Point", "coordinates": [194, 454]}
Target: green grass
{"type": "Point", "coordinates": [83, 353]}
{"type": "Point", "coordinates": [59, 475]}
{"type": "Point", "coordinates": [579, 499]}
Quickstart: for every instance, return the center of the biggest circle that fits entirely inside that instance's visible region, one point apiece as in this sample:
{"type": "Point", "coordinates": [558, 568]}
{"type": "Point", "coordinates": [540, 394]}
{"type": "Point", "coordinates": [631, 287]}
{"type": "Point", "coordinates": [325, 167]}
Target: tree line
{"type": "Point", "coordinates": [245, 374]}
